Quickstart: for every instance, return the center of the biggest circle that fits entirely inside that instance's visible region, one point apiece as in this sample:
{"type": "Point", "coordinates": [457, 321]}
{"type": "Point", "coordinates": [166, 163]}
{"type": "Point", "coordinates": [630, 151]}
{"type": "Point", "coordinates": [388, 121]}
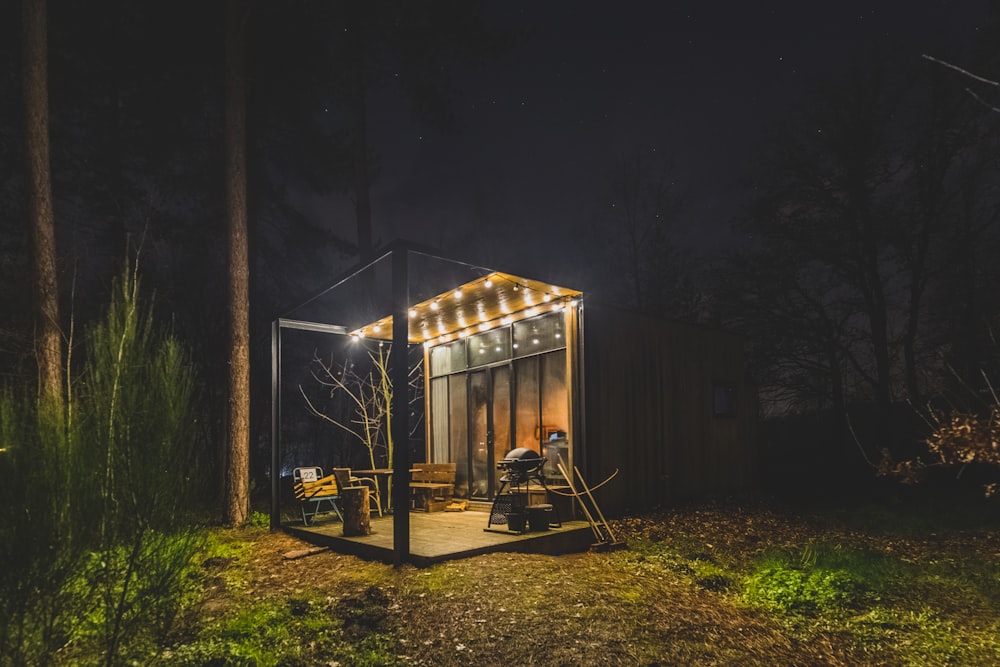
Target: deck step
{"type": "Point", "coordinates": [479, 506]}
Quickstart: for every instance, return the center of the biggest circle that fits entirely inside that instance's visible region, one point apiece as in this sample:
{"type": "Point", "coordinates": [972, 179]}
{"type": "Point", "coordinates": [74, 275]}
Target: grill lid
{"type": "Point", "coordinates": [521, 453]}
{"type": "Point", "coordinates": [521, 460]}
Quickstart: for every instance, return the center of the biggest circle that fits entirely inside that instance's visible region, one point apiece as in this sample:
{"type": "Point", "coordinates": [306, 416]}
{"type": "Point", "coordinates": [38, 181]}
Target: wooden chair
{"type": "Point", "coordinates": [312, 490]}
{"type": "Point", "coordinates": [345, 479]}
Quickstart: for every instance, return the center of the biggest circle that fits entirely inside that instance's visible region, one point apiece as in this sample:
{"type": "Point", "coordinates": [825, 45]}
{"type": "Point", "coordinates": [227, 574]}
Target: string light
{"type": "Point", "coordinates": [514, 300]}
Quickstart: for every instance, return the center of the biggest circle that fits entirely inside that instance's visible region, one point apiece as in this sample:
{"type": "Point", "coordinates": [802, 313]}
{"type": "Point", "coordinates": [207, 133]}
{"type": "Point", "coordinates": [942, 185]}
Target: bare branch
{"type": "Point", "coordinates": [962, 71]}
{"type": "Point", "coordinates": [321, 415]}
{"type": "Point", "coordinates": [982, 101]}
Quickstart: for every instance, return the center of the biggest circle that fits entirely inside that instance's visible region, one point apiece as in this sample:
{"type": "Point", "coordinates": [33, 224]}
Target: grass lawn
{"type": "Point", "coordinates": [710, 584]}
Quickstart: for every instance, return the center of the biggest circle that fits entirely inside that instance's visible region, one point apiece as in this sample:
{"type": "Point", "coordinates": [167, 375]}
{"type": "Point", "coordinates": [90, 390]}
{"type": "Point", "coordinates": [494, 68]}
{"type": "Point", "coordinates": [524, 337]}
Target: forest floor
{"type": "Point", "coordinates": [710, 584]}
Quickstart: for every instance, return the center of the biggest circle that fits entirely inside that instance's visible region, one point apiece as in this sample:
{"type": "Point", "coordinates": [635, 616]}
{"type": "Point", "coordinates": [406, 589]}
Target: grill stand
{"type": "Point", "coordinates": [515, 501]}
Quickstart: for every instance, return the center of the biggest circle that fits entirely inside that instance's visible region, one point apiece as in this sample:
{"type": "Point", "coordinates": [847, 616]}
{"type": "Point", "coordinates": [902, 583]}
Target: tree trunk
{"type": "Point", "coordinates": [48, 340]}
{"type": "Point", "coordinates": [237, 498]}
{"type": "Point", "coordinates": [357, 514]}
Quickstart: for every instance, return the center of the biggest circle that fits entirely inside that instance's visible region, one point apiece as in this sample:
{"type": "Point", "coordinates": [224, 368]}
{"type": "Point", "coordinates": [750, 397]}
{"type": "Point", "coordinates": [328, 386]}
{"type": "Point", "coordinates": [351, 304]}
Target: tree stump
{"type": "Point", "coordinates": [357, 514]}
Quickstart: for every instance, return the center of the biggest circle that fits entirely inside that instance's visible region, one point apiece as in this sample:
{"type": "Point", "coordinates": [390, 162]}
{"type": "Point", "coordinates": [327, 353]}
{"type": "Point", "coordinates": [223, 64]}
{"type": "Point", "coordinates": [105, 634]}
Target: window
{"type": "Point", "coordinates": [489, 347]}
{"type": "Point", "coordinates": [724, 400]}
{"type": "Point", "coordinates": [448, 358]}
{"type": "Point", "coordinates": [539, 334]}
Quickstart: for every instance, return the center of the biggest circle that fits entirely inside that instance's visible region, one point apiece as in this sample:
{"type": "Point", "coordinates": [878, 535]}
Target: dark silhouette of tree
{"type": "Point", "coordinates": [413, 45]}
{"type": "Point", "coordinates": [856, 267]}
{"type": "Point", "coordinates": [642, 237]}
{"type": "Point", "coordinates": [48, 335]}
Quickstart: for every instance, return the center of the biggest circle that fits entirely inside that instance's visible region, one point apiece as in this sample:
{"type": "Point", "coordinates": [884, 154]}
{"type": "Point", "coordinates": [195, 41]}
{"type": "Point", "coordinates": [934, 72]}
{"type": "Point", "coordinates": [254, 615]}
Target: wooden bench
{"type": "Point", "coordinates": [313, 490]}
{"type": "Point", "coordinates": [432, 486]}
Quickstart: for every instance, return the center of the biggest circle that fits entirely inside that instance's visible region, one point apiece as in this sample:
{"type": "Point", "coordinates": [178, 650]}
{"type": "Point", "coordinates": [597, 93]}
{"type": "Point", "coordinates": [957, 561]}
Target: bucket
{"type": "Point", "coordinates": [539, 516]}
{"type": "Point", "coordinates": [516, 521]}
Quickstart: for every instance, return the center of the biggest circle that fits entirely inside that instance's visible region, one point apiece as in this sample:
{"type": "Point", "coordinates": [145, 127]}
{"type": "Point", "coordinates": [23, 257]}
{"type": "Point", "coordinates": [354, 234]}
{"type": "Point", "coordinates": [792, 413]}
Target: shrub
{"type": "Point", "coordinates": [92, 496]}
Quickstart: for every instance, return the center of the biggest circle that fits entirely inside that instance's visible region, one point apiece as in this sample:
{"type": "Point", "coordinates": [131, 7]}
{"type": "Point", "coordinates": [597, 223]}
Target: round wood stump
{"type": "Point", "coordinates": [357, 514]}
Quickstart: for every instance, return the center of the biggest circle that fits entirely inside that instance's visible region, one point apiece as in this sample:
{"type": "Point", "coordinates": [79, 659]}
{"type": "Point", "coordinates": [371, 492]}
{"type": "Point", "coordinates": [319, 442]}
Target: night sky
{"type": "Point", "coordinates": [526, 171]}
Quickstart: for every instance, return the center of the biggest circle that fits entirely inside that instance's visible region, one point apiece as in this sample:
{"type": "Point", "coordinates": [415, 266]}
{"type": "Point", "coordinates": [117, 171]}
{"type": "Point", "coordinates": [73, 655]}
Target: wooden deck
{"type": "Point", "coordinates": [440, 536]}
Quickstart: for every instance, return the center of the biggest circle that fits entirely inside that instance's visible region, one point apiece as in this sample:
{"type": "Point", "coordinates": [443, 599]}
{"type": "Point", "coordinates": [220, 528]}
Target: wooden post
{"type": "Point", "coordinates": [357, 514]}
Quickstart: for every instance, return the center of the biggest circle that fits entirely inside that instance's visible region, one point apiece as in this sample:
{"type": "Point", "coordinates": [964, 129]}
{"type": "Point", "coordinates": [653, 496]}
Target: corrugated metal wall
{"type": "Point", "coordinates": [648, 410]}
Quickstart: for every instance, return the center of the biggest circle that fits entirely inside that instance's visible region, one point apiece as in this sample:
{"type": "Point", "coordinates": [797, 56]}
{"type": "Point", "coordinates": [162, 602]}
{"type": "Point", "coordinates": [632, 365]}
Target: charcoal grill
{"type": "Point", "coordinates": [520, 466]}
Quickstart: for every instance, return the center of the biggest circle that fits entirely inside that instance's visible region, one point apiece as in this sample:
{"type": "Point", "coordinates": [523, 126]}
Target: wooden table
{"type": "Point", "coordinates": [375, 473]}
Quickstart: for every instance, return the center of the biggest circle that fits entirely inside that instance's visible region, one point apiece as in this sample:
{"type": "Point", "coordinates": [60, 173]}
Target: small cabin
{"type": "Point", "coordinates": [497, 361]}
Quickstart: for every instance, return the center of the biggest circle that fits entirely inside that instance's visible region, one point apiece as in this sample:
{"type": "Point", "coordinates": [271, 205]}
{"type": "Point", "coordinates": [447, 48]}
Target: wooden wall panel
{"type": "Point", "coordinates": [649, 412]}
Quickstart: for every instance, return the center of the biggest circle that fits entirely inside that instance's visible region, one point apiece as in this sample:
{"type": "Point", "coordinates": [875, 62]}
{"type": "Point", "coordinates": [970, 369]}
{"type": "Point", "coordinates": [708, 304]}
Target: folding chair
{"type": "Point", "coordinates": [312, 490]}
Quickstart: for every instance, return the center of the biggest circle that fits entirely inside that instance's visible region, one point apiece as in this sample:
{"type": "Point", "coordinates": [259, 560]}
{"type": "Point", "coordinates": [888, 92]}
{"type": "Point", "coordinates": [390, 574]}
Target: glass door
{"type": "Point", "coordinates": [489, 427]}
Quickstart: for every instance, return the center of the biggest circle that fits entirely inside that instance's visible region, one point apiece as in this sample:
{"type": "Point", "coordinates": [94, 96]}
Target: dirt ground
{"type": "Point", "coordinates": [613, 608]}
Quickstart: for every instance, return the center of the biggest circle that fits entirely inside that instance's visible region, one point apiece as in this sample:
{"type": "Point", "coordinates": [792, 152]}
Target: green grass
{"type": "Point", "coordinates": [822, 579]}
{"type": "Point", "coordinates": [301, 630]}
{"type": "Point", "coordinates": [921, 611]}
{"type": "Point", "coordinates": [878, 602]}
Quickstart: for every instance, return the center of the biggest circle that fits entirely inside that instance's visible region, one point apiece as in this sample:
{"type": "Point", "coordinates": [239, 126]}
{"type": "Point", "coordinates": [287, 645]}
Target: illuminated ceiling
{"type": "Point", "coordinates": [482, 304]}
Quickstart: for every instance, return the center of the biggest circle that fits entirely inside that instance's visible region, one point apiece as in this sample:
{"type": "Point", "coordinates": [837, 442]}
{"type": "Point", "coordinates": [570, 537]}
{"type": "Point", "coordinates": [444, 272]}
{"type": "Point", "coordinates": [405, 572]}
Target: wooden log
{"type": "Point", "coordinates": [302, 553]}
{"type": "Point", "coordinates": [357, 513]}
